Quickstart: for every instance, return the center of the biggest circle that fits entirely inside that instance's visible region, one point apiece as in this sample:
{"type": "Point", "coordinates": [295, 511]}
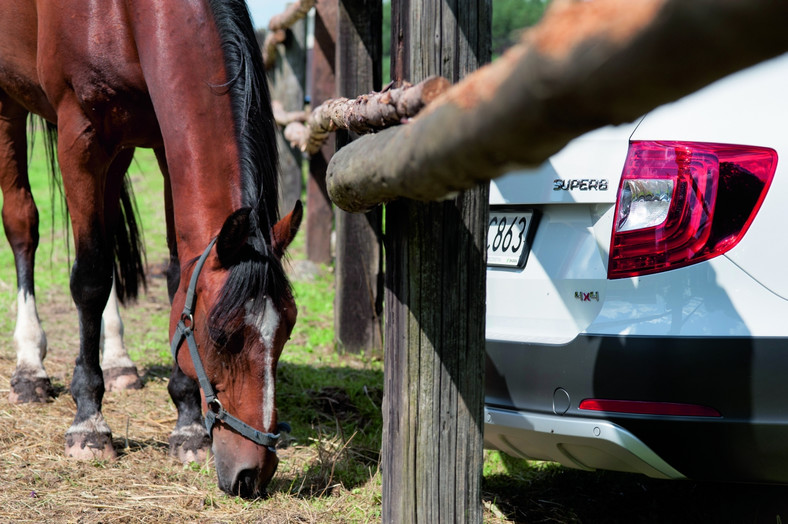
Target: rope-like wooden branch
{"type": "Point", "coordinates": [585, 65]}
{"type": "Point", "coordinates": [365, 114]}
{"type": "Point", "coordinates": [283, 118]}
{"type": "Point", "coordinates": [278, 25]}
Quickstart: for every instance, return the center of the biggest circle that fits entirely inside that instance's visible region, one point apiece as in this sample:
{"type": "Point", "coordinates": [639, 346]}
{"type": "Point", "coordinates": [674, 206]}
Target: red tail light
{"type": "Point", "coordinates": [684, 202]}
{"type": "Point", "coordinates": [639, 407]}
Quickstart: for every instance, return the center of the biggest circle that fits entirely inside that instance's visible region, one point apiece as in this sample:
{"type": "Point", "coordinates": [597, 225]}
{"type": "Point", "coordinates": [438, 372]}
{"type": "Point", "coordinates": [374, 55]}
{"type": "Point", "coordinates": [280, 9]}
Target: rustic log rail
{"type": "Point", "coordinates": [278, 25]}
{"type": "Point", "coordinates": [586, 64]}
{"type": "Point", "coordinates": [364, 114]}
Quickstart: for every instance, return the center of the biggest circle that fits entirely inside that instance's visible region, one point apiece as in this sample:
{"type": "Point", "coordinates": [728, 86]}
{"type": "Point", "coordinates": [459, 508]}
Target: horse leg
{"type": "Point", "coordinates": [189, 441]}
{"type": "Point", "coordinates": [84, 165]}
{"type": "Point", "coordinates": [118, 370]}
{"type": "Point", "coordinates": [29, 382]}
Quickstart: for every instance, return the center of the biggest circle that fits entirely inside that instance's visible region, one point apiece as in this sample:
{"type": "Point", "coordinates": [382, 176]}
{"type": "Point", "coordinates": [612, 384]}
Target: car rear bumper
{"type": "Point", "coordinates": [533, 394]}
{"type": "Point", "coordinates": [574, 442]}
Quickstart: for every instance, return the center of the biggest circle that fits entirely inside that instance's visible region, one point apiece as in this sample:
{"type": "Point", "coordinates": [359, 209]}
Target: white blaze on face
{"type": "Point", "coordinates": [267, 324]}
{"type": "Point", "coordinates": [29, 337]}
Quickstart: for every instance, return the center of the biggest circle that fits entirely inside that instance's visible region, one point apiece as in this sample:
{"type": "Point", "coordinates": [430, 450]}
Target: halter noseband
{"type": "Point", "coordinates": [185, 330]}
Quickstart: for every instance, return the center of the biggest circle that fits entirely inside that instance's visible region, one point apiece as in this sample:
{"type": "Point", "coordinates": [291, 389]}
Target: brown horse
{"type": "Point", "coordinates": [30, 382]}
{"type": "Point", "coordinates": [184, 78]}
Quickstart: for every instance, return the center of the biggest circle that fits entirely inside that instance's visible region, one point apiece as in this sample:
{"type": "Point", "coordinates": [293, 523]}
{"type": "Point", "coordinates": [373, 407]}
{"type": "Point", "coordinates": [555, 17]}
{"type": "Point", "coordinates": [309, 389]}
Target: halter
{"type": "Point", "coordinates": [185, 330]}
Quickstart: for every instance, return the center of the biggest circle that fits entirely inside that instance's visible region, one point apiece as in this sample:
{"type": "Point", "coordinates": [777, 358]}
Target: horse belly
{"type": "Point", "coordinates": [18, 55]}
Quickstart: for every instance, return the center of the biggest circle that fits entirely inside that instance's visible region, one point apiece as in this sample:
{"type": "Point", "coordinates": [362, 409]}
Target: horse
{"type": "Point", "coordinates": [186, 79]}
{"type": "Point", "coordinates": [30, 382]}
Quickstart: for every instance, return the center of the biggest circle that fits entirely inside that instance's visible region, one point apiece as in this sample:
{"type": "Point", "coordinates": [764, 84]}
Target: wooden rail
{"type": "Point", "coordinates": [585, 65]}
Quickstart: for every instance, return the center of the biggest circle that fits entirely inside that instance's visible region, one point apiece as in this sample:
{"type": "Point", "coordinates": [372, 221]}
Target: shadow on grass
{"type": "Point", "coordinates": [156, 372]}
{"type": "Point", "coordinates": [335, 413]}
{"type": "Point", "coordinates": [546, 492]}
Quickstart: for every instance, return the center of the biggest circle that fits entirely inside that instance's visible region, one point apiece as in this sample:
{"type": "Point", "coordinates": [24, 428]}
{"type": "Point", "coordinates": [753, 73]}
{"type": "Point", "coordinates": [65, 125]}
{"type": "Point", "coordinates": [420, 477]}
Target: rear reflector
{"type": "Point", "coordinates": [680, 203]}
{"type": "Point", "coordinates": [640, 407]}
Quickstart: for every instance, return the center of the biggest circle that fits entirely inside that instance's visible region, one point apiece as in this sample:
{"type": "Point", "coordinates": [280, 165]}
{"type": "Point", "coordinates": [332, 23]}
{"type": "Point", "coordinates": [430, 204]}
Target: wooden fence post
{"type": "Point", "coordinates": [288, 86]}
{"type": "Point", "coordinates": [435, 299]}
{"type": "Point", "coordinates": [359, 254]}
{"type": "Point", "coordinates": [319, 217]}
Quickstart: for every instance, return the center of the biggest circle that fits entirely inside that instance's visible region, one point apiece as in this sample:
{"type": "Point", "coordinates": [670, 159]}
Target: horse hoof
{"type": "Point", "coordinates": [90, 446]}
{"type": "Point", "coordinates": [121, 378]}
{"type": "Point", "coordinates": [30, 389]}
{"type": "Point", "coordinates": [190, 444]}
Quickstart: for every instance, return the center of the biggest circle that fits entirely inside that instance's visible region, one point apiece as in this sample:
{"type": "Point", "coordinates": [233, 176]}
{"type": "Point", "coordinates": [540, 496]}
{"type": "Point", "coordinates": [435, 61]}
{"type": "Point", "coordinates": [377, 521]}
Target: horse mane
{"type": "Point", "coordinates": [262, 274]}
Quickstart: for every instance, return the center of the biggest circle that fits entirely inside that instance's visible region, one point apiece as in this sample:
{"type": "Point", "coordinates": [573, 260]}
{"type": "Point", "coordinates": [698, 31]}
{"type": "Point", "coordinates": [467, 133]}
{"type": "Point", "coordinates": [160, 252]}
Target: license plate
{"type": "Point", "coordinates": [509, 237]}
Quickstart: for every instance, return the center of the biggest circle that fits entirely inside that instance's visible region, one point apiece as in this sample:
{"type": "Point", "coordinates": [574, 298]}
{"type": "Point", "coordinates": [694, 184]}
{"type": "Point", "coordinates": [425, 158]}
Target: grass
{"type": "Point", "coordinates": [329, 470]}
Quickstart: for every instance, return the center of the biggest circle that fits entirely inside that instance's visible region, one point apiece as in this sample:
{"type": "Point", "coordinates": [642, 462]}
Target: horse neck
{"type": "Point", "coordinates": [183, 64]}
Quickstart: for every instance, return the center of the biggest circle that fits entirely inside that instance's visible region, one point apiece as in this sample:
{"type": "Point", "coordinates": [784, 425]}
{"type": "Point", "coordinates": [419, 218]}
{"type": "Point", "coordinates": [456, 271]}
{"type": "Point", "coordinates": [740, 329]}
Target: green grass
{"type": "Point", "coordinates": [329, 471]}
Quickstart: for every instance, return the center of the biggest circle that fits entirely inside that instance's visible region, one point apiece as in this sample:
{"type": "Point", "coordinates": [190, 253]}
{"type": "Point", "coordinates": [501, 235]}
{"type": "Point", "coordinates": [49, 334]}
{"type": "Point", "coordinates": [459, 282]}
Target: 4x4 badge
{"type": "Point", "coordinates": [587, 297]}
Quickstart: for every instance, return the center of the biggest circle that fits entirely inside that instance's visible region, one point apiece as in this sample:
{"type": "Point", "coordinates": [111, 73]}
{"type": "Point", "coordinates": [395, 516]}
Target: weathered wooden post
{"type": "Point", "coordinates": [288, 81]}
{"type": "Point", "coordinates": [435, 299]}
{"type": "Point", "coordinates": [359, 255]}
{"type": "Point", "coordinates": [319, 216]}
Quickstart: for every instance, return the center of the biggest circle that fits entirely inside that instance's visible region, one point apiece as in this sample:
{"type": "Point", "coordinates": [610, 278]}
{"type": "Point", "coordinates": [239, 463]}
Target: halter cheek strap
{"type": "Point", "coordinates": [185, 331]}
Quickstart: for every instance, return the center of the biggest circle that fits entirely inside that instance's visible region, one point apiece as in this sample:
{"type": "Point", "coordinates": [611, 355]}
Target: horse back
{"type": "Point", "coordinates": [64, 54]}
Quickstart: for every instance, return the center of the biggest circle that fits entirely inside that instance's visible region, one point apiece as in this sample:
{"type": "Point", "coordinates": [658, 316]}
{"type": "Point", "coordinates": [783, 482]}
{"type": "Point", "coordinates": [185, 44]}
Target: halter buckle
{"type": "Point", "coordinates": [187, 320]}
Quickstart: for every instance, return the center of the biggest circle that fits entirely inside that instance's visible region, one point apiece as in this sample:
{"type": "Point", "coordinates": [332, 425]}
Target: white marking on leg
{"type": "Point", "coordinates": [114, 354]}
{"type": "Point", "coordinates": [93, 424]}
{"type": "Point", "coordinates": [29, 338]}
{"type": "Point", "coordinates": [267, 325]}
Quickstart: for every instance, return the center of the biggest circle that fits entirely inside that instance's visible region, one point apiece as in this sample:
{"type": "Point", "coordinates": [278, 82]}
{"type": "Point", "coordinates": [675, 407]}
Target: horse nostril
{"type": "Point", "coordinates": [245, 485]}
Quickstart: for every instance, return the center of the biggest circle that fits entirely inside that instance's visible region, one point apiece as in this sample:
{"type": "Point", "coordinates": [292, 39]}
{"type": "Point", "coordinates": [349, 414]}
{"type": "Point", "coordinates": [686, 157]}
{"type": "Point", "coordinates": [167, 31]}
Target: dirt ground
{"type": "Point", "coordinates": [38, 484]}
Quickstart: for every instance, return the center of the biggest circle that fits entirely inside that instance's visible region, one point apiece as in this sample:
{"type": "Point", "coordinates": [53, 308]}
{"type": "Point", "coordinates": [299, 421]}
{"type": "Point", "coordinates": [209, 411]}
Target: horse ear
{"type": "Point", "coordinates": [285, 230]}
{"type": "Point", "coordinates": [233, 236]}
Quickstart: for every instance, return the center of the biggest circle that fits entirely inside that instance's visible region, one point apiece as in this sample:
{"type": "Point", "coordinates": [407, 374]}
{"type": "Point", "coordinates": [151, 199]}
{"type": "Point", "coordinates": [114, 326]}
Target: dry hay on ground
{"type": "Point", "coordinates": [38, 483]}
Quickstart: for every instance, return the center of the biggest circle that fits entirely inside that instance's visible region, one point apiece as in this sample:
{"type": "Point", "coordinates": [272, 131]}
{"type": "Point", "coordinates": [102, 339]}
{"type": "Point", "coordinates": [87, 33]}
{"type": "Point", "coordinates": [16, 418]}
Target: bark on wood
{"type": "Point", "coordinates": [288, 85]}
{"type": "Point", "coordinates": [435, 300]}
{"type": "Point", "coordinates": [278, 25]}
{"type": "Point", "coordinates": [282, 117]}
{"type": "Point", "coordinates": [319, 212]}
{"type": "Point", "coordinates": [358, 274]}
{"type": "Point", "coordinates": [365, 114]}
{"type": "Point", "coordinates": [585, 65]}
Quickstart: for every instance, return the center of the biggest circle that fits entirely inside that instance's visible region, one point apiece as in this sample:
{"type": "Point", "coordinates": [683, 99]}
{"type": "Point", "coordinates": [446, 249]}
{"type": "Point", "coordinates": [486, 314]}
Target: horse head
{"type": "Point", "coordinates": [242, 314]}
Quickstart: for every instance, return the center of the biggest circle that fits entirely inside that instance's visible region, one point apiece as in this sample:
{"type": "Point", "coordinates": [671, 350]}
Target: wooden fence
{"type": "Point", "coordinates": [585, 65]}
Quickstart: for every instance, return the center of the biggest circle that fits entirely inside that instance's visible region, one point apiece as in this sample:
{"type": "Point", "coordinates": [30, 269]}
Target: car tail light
{"type": "Point", "coordinates": [640, 407]}
{"type": "Point", "coordinates": [684, 202]}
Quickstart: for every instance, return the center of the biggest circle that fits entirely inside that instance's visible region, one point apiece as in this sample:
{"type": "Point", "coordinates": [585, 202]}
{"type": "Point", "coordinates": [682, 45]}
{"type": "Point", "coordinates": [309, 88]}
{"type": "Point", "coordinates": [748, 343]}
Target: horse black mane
{"type": "Point", "coordinates": [260, 275]}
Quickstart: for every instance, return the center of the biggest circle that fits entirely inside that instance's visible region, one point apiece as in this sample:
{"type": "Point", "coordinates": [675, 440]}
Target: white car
{"type": "Point", "coordinates": [637, 295]}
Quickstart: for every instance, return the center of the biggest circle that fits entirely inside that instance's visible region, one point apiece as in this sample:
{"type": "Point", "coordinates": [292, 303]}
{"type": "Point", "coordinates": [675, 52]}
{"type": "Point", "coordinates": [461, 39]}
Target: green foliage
{"type": "Point", "coordinates": [510, 17]}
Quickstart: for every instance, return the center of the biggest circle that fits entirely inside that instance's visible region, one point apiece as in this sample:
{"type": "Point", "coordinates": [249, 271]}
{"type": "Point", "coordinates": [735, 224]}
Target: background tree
{"type": "Point", "coordinates": [510, 18]}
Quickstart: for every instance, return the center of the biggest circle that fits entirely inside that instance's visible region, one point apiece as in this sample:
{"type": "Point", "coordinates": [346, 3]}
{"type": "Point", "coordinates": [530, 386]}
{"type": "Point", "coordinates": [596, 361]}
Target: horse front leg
{"type": "Point", "coordinates": [89, 436]}
{"type": "Point", "coordinates": [29, 382]}
{"type": "Point", "coordinates": [118, 370]}
{"type": "Point", "coordinates": [189, 441]}
{"type": "Point", "coordinates": [84, 166]}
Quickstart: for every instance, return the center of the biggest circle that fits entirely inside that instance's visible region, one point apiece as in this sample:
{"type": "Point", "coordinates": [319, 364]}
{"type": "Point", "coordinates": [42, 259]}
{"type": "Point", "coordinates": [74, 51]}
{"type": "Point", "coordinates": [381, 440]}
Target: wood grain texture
{"type": "Point", "coordinates": [359, 251]}
{"type": "Point", "coordinates": [319, 212]}
{"type": "Point", "coordinates": [435, 300]}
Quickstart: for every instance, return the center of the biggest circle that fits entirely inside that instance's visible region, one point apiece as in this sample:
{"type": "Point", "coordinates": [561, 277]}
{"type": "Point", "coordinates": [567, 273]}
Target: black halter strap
{"type": "Point", "coordinates": [185, 330]}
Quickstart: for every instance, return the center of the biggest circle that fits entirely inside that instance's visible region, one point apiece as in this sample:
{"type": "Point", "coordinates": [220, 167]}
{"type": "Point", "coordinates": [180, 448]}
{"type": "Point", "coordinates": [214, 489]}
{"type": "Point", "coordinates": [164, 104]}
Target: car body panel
{"type": "Point", "coordinates": [709, 334]}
